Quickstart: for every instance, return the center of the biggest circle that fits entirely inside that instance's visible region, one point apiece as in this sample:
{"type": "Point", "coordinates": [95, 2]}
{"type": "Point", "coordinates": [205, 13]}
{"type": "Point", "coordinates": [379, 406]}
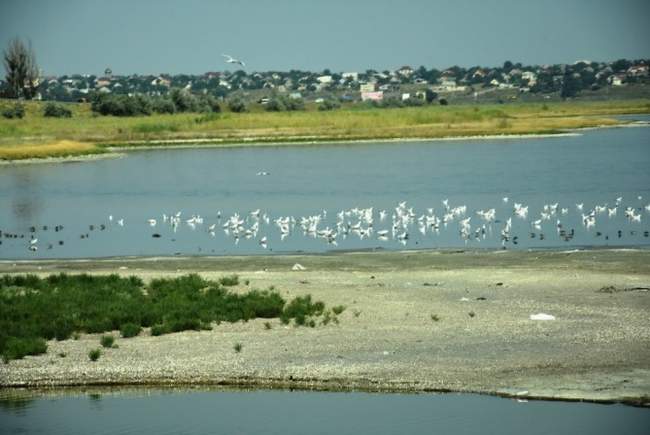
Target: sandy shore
{"type": "Point", "coordinates": [483, 340]}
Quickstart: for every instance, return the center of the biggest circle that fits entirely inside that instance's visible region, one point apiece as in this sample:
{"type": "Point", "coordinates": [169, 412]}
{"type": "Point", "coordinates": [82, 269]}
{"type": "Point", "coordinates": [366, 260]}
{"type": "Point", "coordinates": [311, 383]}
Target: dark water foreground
{"type": "Point", "coordinates": [283, 412]}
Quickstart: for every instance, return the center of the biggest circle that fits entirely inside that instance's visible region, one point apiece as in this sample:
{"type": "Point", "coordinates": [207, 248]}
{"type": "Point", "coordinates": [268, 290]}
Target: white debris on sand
{"type": "Point", "coordinates": [298, 266]}
{"type": "Point", "coordinates": [542, 316]}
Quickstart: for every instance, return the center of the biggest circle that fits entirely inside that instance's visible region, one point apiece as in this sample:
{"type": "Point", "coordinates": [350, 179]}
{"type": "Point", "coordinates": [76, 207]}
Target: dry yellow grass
{"type": "Point", "coordinates": [60, 148]}
{"type": "Point", "coordinates": [20, 138]}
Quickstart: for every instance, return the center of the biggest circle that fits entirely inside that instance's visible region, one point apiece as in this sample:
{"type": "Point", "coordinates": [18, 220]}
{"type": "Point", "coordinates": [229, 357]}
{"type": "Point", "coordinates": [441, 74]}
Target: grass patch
{"type": "Point", "coordinates": [34, 309]}
{"type": "Point", "coordinates": [262, 128]}
{"type": "Point", "coordinates": [156, 127]}
{"type": "Point", "coordinates": [61, 148]}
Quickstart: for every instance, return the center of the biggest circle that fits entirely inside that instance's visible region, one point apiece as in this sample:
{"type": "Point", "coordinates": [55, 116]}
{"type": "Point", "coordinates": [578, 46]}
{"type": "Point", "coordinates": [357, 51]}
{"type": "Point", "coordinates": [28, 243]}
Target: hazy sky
{"type": "Point", "coordinates": [154, 36]}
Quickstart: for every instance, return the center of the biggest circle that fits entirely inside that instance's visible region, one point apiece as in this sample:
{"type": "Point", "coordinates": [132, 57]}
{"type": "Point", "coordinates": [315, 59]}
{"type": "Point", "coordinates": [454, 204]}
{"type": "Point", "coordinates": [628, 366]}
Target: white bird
{"type": "Point", "coordinates": [120, 222]}
{"type": "Point", "coordinates": [33, 241]}
{"type": "Point", "coordinates": [230, 59]}
{"type": "Point", "coordinates": [505, 199]}
{"type": "Point", "coordinates": [263, 242]}
{"type": "Point", "coordinates": [152, 222]}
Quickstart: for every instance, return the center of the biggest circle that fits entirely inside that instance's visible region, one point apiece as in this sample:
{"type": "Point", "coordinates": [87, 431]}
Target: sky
{"type": "Point", "coordinates": [165, 36]}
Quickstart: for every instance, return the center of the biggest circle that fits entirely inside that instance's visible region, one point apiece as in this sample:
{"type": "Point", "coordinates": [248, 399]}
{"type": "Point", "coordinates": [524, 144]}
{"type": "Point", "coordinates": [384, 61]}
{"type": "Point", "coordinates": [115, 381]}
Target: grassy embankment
{"type": "Point", "coordinates": [36, 136]}
{"type": "Point", "coordinates": [33, 309]}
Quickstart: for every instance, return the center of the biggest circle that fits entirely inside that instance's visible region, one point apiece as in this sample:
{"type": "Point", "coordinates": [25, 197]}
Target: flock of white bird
{"type": "Point", "coordinates": [397, 224]}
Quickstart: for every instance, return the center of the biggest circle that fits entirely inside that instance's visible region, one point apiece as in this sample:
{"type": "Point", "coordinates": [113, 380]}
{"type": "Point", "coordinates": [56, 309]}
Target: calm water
{"type": "Point", "coordinates": [594, 168]}
{"type": "Point", "coordinates": [279, 412]}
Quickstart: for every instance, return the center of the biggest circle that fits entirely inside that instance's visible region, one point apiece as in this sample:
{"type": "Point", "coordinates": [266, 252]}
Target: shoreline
{"type": "Point", "coordinates": [597, 350]}
{"type": "Point", "coordinates": [121, 149]}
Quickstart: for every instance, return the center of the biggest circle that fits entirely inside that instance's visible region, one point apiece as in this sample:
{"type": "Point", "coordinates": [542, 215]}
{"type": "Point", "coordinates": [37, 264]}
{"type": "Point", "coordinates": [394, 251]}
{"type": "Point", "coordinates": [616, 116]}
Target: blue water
{"type": "Point", "coordinates": [593, 168]}
{"type": "Point", "coordinates": [281, 412]}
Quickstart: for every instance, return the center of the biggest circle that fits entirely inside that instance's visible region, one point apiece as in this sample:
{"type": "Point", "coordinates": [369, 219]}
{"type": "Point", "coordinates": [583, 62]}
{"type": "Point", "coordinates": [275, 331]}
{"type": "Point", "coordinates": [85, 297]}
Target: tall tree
{"type": "Point", "coordinates": [21, 69]}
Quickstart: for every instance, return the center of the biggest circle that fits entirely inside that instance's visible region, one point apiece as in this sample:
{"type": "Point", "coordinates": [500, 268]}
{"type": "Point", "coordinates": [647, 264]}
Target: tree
{"type": "Point", "coordinates": [21, 69]}
{"type": "Point", "coordinates": [429, 96]}
{"type": "Point", "coordinates": [570, 86]}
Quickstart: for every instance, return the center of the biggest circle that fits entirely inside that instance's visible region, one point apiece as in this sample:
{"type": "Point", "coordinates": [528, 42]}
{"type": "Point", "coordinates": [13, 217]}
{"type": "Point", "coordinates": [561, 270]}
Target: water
{"type": "Point", "coordinates": [281, 412]}
{"type": "Point", "coordinates": [593, 168]}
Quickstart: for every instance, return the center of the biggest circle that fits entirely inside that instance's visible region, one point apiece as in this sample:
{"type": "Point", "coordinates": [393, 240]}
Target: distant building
{"type": "Point", "coordinates": [530, 76]}
{"type": "Point", "coordinates": [405, 71]}
{"type": "Point", "coordinates": [372, 96]}
{"type": "Point", "coordinates": [617, 79]}
{"type": "Point", "coordinates": [406, 96]}
{"type": "Point", "coordinates": [295, 95]}
{"type": "Point", "coordinates": [354, 76]}
{"type": "Point", "coordinates": [108, 72]}
{"type": "Point", "coordinates": [368, 87]}
{"type": "Point", "coordinates": [324, 79]}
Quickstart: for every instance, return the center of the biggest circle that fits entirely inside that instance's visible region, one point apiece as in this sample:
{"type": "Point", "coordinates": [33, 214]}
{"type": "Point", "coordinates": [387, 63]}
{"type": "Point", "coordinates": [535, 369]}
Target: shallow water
{"type": "Point", "coordinates": [593, 168]}
{"type": "Point", "coordinates": [282, 412]}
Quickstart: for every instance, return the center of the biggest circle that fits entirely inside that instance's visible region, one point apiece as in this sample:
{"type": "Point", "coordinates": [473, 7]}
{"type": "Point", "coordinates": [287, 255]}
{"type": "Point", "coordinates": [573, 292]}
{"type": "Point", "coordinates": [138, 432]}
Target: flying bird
{"type": "Point", "coordinates": [230, 59]}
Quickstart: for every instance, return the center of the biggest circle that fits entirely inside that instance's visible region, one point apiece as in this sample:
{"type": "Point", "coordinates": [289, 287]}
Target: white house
{"type": "Point", "coordinates": [324, 79]}
{"type": "Point", "coordinates": [368, 87]}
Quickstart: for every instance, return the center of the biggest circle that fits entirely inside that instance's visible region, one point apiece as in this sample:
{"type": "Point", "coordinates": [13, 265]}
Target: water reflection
{"type": "Point", "coordinates": [231, 411]}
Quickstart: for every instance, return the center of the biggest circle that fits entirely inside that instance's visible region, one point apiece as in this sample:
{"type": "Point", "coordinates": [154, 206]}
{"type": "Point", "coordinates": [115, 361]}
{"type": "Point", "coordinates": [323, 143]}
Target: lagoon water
{"type": "Point", "coordinates": [593, 168]}
{"type": "Point", "coordinates": [282, 412]}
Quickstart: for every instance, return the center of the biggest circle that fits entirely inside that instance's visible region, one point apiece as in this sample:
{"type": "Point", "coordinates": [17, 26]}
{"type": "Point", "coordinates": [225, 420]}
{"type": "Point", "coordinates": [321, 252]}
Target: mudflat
{"type": "Point", "coordinates": [445, 320]}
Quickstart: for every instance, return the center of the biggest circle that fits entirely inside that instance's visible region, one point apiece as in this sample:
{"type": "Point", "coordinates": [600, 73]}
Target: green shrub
{"type": "Point", "coordinates": [237, 106]}
{"type": "Point", "coordinates": [238, 347]}
{"type": "Point", "coordinates": [94, 354]}
{"type": "Point", "coordinates": [107, 341]}
{"type": "Point", "coordinates": [338, 309]}
{"type": "Point", "coordinates": [128, 330]}
{"type": "Point", "coordinates": [55, 110]}
{"type": "Point", "coordinates": [300, 308]}
{"type": "Point", "coordinates": [163, 105]}
{"type": "Point", "coordinates": [121, 105]}
{"type": "Point", "coordinates": [229, 280]}
{"type": "Point", "coordinates": [17, 112]}
{"type": "Point", "coordinates": [60, 306]}
{"type": "Point", "coordinates": [17, 348]}
{"type": "Point", "coordinates": [328, 105]}
{"type": "Point", "coordinates": [157, 330]}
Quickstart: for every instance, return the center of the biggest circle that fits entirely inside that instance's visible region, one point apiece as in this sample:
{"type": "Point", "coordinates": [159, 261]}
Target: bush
{"type": "Point", "coordinates": [238, 347]}
{"type": "Point", "coordinates": [17, 348]}
{"type": "Point", "coordinates": [163, 105]}
{"type": "Point", "coordinates": [157, 330]}
{"type": "Point", "coordinates": [55, 110]}
{"type": "Point", "coordinates": [121, 105]}
{"type": "Point", "coordinates": [107, 341]}
{"type": "Point", "coordinates": [17, 112]}
{"type": "Point", "coordinates": [229, 280]}
{"type": "Point", "coordinates": [338, 309]}
{"type": "Point", "coordinates": [237, 106]}
{"type": "Point", "coordinates": [443, 102]}
{"type": "Point", "coordinates": [184, 101]}
{"type": "Point", "coordinates": [34, 309]}
{"type": "Point", "coordinates": [94, 354]}
{"type": "Point", "coordinates": [300, 308]}
{"type": "Point", "coordinates": [129, 330]}
{"type": "Point", "coordinates": [328, 105]}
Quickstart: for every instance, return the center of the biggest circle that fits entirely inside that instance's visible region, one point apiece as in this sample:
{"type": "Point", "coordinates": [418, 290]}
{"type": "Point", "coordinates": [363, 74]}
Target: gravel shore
{"type": "Point", "coordinates": [414, 321]}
